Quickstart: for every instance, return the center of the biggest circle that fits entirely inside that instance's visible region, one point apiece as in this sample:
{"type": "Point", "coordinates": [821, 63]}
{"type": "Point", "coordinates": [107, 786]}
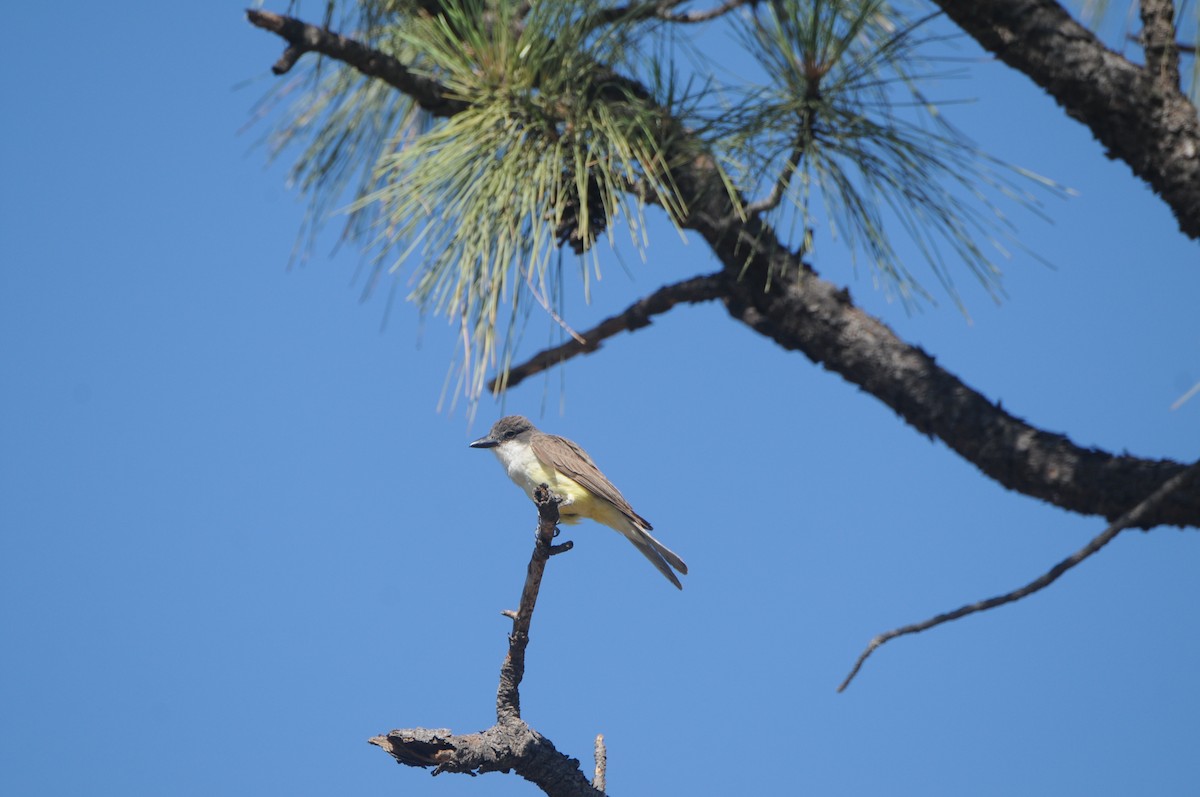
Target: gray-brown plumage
{"type": "Point", "coordinates": [532, 457]}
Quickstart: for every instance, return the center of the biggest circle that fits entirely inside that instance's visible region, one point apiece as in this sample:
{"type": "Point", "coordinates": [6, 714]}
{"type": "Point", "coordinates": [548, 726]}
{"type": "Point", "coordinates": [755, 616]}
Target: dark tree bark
{"type": "Point", "coordinates": [1138, 114]}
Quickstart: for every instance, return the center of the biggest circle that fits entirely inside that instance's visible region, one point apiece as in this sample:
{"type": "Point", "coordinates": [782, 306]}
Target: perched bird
{"type": "Point", "coordinates": [532, 458]}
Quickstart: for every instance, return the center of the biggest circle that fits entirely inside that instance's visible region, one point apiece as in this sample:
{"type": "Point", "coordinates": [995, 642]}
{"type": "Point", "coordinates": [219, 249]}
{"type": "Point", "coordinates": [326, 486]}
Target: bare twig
{"type": "Point", "coordinates": [508, 698]}
{"type": "Point", "coordinates": [1130, 518]}
{"type": "Point", "coordinates": [636, 316]}
{"type": "Point", "coordinates": [601, 764]}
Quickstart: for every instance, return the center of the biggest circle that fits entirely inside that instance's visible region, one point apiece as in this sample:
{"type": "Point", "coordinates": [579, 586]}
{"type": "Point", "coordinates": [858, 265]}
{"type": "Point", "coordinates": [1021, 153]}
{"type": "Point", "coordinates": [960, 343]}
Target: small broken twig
{"type": "Point", "coordinates": [601, 763]}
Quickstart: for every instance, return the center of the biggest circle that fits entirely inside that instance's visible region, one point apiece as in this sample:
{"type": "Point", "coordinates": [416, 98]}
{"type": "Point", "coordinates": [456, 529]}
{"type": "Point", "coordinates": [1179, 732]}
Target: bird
{"type": "Point", "coordinates": [532, 458]}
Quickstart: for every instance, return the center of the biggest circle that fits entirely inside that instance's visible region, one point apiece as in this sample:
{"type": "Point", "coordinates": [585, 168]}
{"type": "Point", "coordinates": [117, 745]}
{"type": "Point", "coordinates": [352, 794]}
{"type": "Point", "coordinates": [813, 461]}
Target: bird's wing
{"type": "Point", "coordinates": [570, 460]}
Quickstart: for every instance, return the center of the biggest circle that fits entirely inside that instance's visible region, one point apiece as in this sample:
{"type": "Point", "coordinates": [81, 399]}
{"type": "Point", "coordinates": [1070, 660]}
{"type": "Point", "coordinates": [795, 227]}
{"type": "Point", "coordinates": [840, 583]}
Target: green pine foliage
{"type": "Point", "coordinates": [575, 120]}
{"type": "Point", "coordinates": [542, 156]}
{"type": "Point", "coordinates": [845, 122]}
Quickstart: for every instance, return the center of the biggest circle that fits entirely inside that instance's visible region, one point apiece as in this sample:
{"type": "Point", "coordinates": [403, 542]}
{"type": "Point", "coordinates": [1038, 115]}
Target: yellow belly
{"type": "Point", "coordinates": [577, 502]}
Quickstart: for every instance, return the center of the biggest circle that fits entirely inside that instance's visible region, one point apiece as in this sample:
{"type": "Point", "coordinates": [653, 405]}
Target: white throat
{"type": "Point", "coordinates": [522, 466]}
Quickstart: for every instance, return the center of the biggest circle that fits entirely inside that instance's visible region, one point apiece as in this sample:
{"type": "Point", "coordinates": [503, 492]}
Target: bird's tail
{"type": "Point", "coordinates": [659, 555]}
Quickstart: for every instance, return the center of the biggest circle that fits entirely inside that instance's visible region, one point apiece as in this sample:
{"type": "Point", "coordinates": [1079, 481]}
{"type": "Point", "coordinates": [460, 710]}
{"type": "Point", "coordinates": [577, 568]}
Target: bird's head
{"type": "Point", "coordinates": [510, 427]}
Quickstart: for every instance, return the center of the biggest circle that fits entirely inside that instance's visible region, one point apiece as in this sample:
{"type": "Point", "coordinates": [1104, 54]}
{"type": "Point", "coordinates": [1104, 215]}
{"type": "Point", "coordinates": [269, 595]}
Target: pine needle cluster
{"type": "Point", "coordinates": [571, 118]}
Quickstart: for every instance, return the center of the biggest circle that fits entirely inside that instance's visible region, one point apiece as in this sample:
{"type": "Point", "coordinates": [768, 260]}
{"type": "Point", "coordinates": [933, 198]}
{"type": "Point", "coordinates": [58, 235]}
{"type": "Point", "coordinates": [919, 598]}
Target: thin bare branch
{"type": "Point", "coordinates": [636, 316]}
{"type": "Point", "coordinates": [508, 698]}
{"type": "Point", "coordinates": [1129, 519]}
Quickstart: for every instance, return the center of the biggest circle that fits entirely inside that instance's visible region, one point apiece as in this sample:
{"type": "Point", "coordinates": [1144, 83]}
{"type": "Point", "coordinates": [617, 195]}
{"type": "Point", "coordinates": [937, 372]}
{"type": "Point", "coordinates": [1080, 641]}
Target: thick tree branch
{"type": "Point", "coordinates": [304, 38]}
{"type": "Point", "coordinates": [510, 744]}
{"type": "Point", "coordinates": [803, 312]}
{"type": "Point", "coordinates": [800, 311]}
{"type": "Point", "coordinates": [504, 747]}
{"type": "Point", "coordinates": [1139, 116]}
{"type": "Point", "coordinates": [636, 316]}
{"type": "Point", "coordinates": [1133, 517]}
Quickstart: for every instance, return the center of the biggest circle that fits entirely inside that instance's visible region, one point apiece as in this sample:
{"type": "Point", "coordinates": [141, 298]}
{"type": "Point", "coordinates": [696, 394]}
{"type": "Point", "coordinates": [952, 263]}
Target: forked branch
{"type": "Point", "coordinates": [510, 744]}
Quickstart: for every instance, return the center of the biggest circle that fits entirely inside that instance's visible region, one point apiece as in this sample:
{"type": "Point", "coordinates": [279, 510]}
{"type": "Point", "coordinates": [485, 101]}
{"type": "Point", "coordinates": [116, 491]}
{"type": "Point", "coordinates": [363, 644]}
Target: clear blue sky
{"type": "Point", "coordinates": [237, 539]}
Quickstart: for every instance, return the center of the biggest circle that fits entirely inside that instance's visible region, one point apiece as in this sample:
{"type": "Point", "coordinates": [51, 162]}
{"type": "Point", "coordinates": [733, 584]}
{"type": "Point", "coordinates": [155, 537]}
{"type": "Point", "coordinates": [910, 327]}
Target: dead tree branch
{"type": "Point", "coordinates": [510, 744]}
{"type": "Point", "coordinates": [508, 698]}
{"type": "Point", "coordinates": [1130, 519]}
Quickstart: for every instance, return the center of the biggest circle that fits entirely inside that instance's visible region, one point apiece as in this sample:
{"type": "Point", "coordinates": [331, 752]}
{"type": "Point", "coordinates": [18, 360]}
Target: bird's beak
{"type": "Point", "coordinates": [485, 442]}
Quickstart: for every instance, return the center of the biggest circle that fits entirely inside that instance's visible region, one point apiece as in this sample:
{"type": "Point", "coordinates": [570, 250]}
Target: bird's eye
{"type": "Point", "coordinates": [510, 434]}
